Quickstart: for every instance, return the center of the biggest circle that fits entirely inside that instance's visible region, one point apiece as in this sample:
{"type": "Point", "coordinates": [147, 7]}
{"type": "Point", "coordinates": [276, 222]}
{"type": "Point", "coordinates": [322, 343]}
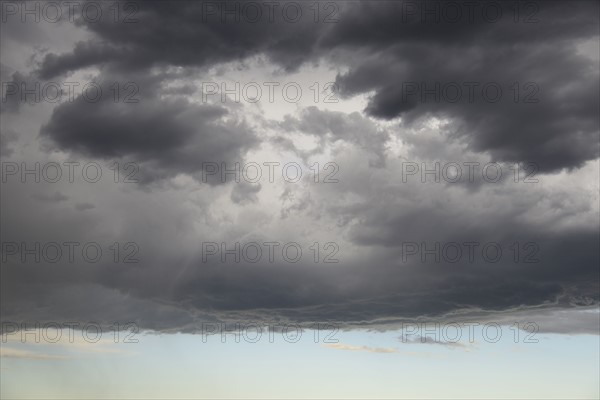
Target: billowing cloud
{"type": "Point", "coordinates": [518, 91]}
{"type": "Point", "coordinates": [167, 136]}
{"type": "Point", "coordinates": [393, 241]}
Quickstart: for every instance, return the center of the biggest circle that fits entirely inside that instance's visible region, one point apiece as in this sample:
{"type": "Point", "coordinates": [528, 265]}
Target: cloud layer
{"type": "Point", "coordinates": [382, 57]}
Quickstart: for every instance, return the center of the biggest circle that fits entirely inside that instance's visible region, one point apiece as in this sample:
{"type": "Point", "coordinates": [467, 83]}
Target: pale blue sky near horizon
{"type": "Point", "coordinates": [363, 364]}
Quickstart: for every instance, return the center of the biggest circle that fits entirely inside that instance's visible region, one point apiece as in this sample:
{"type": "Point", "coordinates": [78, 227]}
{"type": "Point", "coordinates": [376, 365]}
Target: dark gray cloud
{"type": "Point", "coordinates": [84, 206]}
{"type": "Point", "coordinates": [370, 213]}
{"type": "Point", "coordinates": [374, 287]}
{"type": "Point", "coordinates": [245, 193]}
{"type": "Point", "coordinates": [167, 136]}
{"type": "Point", "coordinates": [188, 34]}
{"type": "Point", "coordinates": [5, 139]}
{"type": "Point", "coordinates": [396, 48]}
{"type": "Point", "coordinates": [53, 198]}
{"type": "Point", "coordinates": [558, 131]}
{"type": "Point", "coordinates": [11, 84]}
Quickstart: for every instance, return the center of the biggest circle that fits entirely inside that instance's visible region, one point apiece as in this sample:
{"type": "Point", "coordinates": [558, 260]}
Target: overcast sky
{"type": "Point", "coordinates": [362, 164]}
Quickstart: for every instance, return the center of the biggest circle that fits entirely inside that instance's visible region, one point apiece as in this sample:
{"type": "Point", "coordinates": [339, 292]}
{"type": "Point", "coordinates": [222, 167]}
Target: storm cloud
{"type": "Point", "coordinates": [528, 93]}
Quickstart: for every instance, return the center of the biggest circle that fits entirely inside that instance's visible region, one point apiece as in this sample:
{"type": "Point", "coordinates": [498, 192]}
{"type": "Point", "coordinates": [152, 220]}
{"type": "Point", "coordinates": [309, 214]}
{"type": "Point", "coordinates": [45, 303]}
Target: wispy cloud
{"type": "Point", "coordinates": [342, 346]}
{"type": "Point", "coordinates": [74, 346]}
{"type": "Point", "coordinates": [429, 340]}
{"type": "Point", "coordinates": [8, 352]}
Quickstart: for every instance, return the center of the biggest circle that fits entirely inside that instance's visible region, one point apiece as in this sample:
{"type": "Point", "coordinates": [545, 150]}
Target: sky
{"type": "Point", "coordinates": [401, 196]}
